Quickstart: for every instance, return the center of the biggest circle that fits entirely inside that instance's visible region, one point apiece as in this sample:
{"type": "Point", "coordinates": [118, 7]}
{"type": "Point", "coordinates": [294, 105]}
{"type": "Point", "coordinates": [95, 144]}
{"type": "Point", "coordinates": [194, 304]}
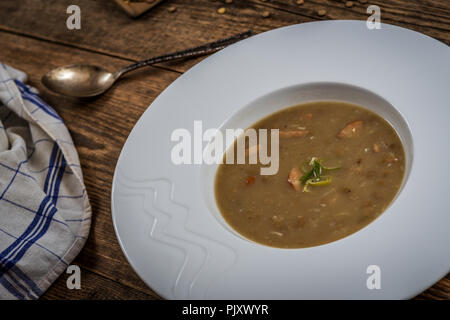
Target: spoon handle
{"type": "Point", "coordinates": [192, 52]}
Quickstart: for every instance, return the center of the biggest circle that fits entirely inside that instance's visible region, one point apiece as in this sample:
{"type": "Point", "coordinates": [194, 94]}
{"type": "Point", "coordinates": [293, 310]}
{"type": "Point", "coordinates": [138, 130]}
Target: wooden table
{"type": "Point", "coordinates": [35, 39]}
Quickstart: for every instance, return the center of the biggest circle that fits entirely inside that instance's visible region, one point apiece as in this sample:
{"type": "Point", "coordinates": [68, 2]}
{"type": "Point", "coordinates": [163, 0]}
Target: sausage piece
{"type": "Point", "coordinates": [350, 129]}
{"type": "Point", "coordinates": [294, 178]}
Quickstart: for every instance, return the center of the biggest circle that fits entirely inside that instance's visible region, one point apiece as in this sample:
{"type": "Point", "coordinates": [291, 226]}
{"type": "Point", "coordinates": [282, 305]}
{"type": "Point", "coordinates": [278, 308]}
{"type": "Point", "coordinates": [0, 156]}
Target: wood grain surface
{"type": "Point", "coordinates": [35, 39]}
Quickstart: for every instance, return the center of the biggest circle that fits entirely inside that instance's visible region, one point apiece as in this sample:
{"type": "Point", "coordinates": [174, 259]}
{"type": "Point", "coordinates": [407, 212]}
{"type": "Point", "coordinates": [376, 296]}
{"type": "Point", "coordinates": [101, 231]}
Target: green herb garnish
{"type": "Point", "coordinates": [313, 174]}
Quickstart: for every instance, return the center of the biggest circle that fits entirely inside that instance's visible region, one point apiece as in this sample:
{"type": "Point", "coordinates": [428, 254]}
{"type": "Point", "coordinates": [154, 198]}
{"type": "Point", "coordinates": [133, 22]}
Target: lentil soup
{"type": "Point", "coordinates": [340, 166]}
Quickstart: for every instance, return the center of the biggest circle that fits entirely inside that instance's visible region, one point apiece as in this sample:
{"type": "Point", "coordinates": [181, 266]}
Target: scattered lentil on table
{"type": "Point", "coordinates": [321, 12]}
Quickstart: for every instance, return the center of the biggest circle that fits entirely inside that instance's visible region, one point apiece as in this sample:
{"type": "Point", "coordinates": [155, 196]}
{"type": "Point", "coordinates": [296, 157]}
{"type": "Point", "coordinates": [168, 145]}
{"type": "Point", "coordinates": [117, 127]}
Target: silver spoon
{"type": "Point", "coordinates": [87, 81]}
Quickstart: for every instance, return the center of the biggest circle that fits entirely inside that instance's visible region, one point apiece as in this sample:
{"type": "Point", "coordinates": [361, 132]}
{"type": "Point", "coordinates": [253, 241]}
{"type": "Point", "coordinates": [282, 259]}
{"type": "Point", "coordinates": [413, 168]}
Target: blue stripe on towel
{"type": "Point", "coordinates": [62, 169]}
{"type": "Point", "coordinates": [37, 228]}
{"type": "Point", "coordinates": [20, 286]}
{"type": "Point", "coordinates": [27, 280]}
{"type": "Point", "coordinates": [5, 253]}
{"type": "Point", "coordinates": [5, 267]}
{"type": "Point", "coordinates": [5, 283]}
{"type": "Point", "coordinates": [27, 242]}
{"type": "Point", "coordinates": [34, 98]}
{"type": "Point", "coordinates": [50, 166]}
{"type": "Point", "coordinates": [39, 245]}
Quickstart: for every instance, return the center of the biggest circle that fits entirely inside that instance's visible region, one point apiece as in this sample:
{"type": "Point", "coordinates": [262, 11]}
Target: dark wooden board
{"type": "Point", "coordinates": [106, 29]}
{"type": "Point", "coordinates": [37, 40]}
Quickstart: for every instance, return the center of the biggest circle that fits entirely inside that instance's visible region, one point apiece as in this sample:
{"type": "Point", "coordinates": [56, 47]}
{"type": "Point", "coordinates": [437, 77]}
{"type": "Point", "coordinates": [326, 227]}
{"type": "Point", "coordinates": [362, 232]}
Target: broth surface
{"type": "Point", "coordinates": [274, 210]}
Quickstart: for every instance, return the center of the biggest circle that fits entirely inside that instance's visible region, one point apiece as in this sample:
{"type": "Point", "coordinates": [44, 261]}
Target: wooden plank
{"type": "Point", "coordinates": [99, 127]}
{"type": "Point", "coordinates": [93, 287]}
{"type": "Point", "coordinates": [106, 29]}
{"type": "Point", "coordinates": [156, 32]}
{"type": "Point", "coordinates": [440, 291]}
{"type": "Point", "coordinates": [429, 17]}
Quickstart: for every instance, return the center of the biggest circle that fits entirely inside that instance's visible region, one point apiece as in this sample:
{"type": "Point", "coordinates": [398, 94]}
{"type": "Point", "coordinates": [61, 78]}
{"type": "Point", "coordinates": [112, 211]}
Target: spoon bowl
{"type": "Point", "coordinates": [79, 80]}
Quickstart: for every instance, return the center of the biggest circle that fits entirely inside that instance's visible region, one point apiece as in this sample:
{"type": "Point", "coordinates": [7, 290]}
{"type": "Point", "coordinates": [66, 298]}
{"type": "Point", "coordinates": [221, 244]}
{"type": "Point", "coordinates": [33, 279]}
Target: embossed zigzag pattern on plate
{"type": "Point", "coordinates": [204, 257]}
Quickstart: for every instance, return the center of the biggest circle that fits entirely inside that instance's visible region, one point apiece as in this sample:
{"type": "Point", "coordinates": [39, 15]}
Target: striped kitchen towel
{"type": "Point", "coordinates": [44, 209]}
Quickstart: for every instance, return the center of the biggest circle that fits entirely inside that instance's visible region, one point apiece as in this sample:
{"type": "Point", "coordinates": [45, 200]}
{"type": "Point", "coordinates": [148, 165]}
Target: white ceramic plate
{"type": "Point", "coordinates": [165, 215]}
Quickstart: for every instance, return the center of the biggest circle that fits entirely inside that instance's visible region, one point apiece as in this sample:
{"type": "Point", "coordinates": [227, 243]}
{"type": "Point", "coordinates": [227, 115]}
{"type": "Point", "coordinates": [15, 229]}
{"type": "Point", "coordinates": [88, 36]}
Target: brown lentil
{"type": "Point", "coordinates": [321, 12]}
